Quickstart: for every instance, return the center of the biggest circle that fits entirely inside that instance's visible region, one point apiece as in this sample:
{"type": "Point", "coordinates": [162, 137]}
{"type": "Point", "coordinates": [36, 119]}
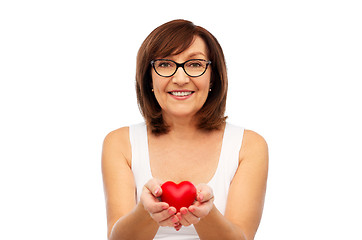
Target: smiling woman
{"type": "Point", "coordinates": [181, 86]}
{"type": "Point", "coordinates": [182, 41]}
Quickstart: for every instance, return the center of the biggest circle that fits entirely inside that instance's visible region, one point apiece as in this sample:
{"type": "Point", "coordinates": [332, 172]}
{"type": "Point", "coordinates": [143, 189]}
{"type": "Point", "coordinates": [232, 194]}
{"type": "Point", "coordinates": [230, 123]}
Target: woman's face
{"type": "Point", "coordinates": [181, 95]}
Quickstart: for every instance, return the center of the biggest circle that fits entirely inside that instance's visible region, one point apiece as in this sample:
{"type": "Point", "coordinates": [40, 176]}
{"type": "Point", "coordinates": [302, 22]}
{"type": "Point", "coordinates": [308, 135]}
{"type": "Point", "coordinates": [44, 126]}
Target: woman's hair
{"type": "Point", "coordinates": [172, 38]}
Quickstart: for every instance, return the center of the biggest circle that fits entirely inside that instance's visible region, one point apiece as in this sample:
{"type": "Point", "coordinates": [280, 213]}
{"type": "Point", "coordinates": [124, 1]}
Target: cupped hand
{"type": "Point", "coordinates": [200, 208]}
{"type": "Point", "coordinates": [160, 212]}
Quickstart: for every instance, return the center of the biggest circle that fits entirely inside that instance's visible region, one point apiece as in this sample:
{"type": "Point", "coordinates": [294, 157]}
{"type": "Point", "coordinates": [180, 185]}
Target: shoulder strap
{"type": "Point", "coordinates": [140, 157]}
{"type": "Point", "coordinates": [229, 157]}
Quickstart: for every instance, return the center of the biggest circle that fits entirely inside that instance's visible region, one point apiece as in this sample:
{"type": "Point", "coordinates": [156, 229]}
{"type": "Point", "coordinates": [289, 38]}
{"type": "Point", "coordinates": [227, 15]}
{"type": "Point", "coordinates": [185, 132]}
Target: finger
{"type": "Point", "coordinates": [154, 186]}
{"type": "Point", "coordinates": [158, 207]}
{"type": "Point", "coordinates": [171, 221]}
{"type": "Point", "coordinates": [200, 210]}
{"type": "Point", "coordinates": [204, 193]}
{"type": "Point", "coordinates": [187, 217]}
{"type": "Point", "coordinates": [152, 205]}
{"type": "Point", "coordinates": [164, 214]}
{"type": "Point", "coordinates": [183, 220]}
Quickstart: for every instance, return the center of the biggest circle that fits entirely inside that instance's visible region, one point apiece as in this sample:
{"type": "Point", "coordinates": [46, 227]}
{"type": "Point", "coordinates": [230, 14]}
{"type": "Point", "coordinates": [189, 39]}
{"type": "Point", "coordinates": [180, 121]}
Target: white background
{"type": "Point", "coordinates": [67, 79]}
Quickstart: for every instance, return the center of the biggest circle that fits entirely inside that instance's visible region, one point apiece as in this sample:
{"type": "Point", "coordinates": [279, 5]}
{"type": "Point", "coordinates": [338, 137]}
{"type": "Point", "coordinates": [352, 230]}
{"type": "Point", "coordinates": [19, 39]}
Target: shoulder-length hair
{"type": "Point", "coordinates": [173, 38]}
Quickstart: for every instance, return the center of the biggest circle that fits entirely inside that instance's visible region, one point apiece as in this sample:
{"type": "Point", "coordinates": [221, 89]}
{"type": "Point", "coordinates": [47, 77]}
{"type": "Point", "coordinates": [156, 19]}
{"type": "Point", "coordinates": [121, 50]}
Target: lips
{"type": "Point", "coordinates": [181, 93]}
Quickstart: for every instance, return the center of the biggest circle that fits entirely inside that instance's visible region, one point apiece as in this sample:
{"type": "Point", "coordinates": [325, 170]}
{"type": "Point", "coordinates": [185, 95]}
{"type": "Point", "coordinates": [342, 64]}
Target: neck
{"type": "Point", "coordinates": [182, 127]}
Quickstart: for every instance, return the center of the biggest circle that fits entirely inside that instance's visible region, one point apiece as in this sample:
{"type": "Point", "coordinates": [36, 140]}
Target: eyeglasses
{"type": "Point", "coordinates": [192, 67]}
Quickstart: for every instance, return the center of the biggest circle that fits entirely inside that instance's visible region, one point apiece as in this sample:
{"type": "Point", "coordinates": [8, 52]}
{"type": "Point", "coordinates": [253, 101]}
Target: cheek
{"type": "Point", "coordinates": [204, 83]}
{"type": "Point", "coordinates": [159, 86]}
{"type": "Point", "coordinates": [157, 83]}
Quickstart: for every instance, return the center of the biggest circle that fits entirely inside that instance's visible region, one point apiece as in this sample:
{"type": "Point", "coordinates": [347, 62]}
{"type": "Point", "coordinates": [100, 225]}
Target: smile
{"type": "Point", "coordinates": [181, 94]}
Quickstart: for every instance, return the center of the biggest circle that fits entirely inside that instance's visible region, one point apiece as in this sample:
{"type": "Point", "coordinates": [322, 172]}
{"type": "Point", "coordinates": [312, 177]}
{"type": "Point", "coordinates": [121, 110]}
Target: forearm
{"type": "Point", "coordinates": [216, 226]}
{"type": "Point", "coordinates": [138, 224]}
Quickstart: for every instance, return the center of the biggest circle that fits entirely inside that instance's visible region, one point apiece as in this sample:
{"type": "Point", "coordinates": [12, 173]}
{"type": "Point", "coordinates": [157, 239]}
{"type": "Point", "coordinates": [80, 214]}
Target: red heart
{"type": "Point", "coordinates": [178, 195]}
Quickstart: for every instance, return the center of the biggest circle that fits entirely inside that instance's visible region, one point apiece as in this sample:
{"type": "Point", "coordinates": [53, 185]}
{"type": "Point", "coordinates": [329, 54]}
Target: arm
{"type": "Point", "coordinates": [247, 190]}
{"type": "Point", "coordinates": [245, 199]}
{"type": "Point", "coordinates": [125, 218]}
{"type": "Point", "coordinates": [119, 189]}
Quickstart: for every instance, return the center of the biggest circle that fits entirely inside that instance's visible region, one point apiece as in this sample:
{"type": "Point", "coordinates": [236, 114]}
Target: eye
{"type": "Point", "coordinates": [164, 64]}
{"type": "Point", "coordinates": [195, 64]}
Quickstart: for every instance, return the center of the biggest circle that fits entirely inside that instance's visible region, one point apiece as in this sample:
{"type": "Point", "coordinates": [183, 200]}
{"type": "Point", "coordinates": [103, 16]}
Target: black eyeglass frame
{"type": "Point", "coordinates": [180, 65]}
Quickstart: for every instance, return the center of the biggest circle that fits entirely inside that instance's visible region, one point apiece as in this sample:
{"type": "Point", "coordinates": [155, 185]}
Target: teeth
{"type": "Point", "coordinates": [181, 94]}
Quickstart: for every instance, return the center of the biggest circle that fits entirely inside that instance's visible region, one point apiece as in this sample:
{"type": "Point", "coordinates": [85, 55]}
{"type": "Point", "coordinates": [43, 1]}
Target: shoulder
{"type": "Point", "coordinates": [117, 134]}
{"type": "Point", "coordinates": [117, 143]}
{"type": "Point", "coordinates": [254, 146]}
{"type": "Point", "coordinates": [253, 138]}
{"type": "Point", "coordinates": [120, 135]}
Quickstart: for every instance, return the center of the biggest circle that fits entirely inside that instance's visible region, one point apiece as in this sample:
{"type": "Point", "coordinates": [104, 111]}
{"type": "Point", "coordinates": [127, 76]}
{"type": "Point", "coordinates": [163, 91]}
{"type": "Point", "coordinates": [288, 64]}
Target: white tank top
{"type": "Point", "coordinates": [220, 182]}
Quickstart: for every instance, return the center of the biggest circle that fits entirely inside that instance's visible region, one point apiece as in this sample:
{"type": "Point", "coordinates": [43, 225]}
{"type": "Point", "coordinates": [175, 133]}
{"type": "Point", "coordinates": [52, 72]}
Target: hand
{"type": "Point", "coordinates": [160, 212]}
{"type": "Point", "coordinates": [200, 208]}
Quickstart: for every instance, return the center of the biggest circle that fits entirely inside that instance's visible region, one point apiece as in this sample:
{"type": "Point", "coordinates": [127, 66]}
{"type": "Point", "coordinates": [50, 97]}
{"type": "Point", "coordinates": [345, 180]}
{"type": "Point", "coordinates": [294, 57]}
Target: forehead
{"type": "Point", "coordinates": [197, 48]}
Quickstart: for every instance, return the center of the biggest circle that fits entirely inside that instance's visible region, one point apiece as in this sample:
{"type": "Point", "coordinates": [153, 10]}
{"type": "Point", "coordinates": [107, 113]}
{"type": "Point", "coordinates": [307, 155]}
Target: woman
{"type": "Point", "coordinates": [181, 85]}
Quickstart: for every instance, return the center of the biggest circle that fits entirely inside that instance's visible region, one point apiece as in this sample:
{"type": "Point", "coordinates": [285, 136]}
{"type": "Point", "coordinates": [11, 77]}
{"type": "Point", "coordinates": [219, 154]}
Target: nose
{"type": "Point", "coordinates": [180, 77]}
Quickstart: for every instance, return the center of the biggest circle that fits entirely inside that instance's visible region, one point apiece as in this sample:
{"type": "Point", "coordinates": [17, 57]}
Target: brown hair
{"type": "Point", "coordinates": [173, 38]}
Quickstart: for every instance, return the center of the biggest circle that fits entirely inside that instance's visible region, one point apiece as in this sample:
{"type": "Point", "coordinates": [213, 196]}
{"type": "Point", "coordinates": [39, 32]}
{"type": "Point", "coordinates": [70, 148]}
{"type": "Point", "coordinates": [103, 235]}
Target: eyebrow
{"type": "Point", "coordinates": [190, 56]}
{"type": "Point", "coordinates": [196, 53]}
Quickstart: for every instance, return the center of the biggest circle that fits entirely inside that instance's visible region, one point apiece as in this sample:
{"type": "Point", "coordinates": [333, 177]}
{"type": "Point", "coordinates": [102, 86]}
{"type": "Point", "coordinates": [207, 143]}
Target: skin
{"type": "Point", "coordinates": [183, 154]}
